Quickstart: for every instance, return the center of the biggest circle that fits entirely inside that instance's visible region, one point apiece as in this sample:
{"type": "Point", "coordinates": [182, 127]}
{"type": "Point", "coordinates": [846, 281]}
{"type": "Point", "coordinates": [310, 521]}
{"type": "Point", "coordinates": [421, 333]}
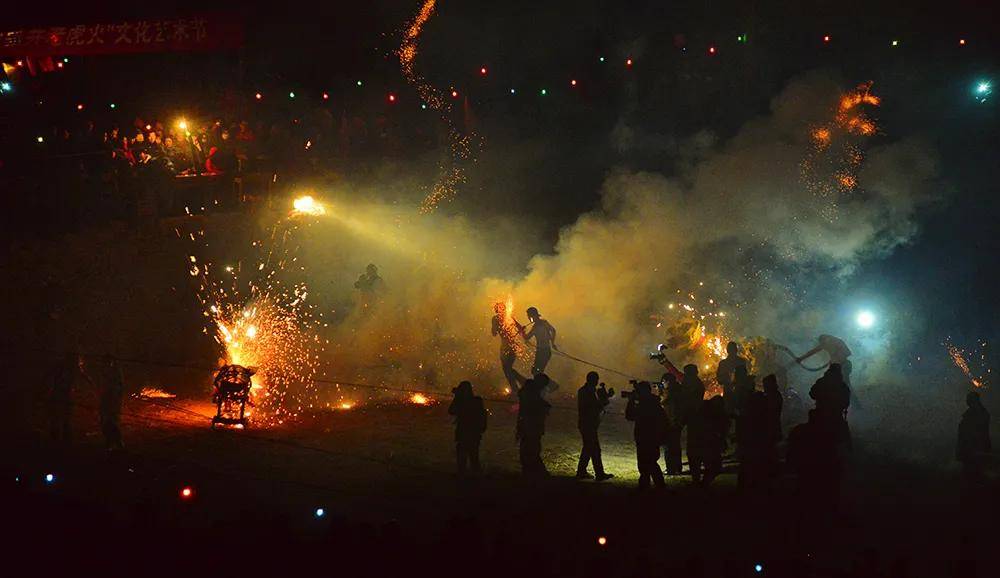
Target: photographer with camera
{"type": "Point", "coordinates": [591, 400]}
{"type": "Point", "coordinates": [470, 424]}
{"type": "Point", "coordinates": [645, 411]}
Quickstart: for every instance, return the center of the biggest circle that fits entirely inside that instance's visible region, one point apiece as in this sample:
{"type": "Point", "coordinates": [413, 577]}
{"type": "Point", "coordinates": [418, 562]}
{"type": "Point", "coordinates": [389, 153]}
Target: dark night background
{"type": "Point", "coordinates": [948, 271]}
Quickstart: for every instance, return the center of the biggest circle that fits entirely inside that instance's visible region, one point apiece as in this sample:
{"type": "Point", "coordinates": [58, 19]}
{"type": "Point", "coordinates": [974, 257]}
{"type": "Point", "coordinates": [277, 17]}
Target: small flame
{"type": "Point", "coordinates": [420, 399]}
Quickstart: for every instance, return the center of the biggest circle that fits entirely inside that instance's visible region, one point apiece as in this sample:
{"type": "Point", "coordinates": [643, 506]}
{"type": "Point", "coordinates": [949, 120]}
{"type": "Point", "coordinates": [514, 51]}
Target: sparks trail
{"type": "Point", "coordinates": [461, 146]}
{"type": "Point", "coordinates": [270, 326]}
{"type": "Point", "coordinates": [961, 359]}
{"type": "Point", "coordinates": [830, 169]}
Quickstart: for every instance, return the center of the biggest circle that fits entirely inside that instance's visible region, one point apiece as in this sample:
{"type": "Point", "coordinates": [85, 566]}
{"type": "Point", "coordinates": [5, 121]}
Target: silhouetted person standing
{"type": "Point", "coordinates": [645, 411]}
{"type": "Point", "coordinates": [753, 441]}
{"type": "Point", "coordinates": [591, 401]}
{"type": "Point", "coordinates": [774, 403]}
{"type": "Point", "coordinates": [545, 340]}
{"type": "Point", "coordinates": [470, 424]}
{"type": "Point", "coordinates": [831, 393]}
{"type": "Point", "coordinates": [61, 397]}
{"type": "Point", "coordinates": [112, 385]}
{"type": "Point", "coordinates": [726, 373]}
{"type": "Point", "coordinates": [531, 414]}
{"type": "Point", "coordinates": [973, 446]}
{"type": "Point", "coordinates": [707, 431]}
{"type": "Point", "coordinates": [673, 408]}
{"type": "Point", "coordinates": [369, 286]}
{"type": "Point", "coordinates": [817, 453]}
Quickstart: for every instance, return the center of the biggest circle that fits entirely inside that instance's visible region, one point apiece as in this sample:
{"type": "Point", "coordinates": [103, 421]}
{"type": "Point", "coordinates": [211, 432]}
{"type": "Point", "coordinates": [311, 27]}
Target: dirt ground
{"type": "Point", "coordinates": [383, 475]}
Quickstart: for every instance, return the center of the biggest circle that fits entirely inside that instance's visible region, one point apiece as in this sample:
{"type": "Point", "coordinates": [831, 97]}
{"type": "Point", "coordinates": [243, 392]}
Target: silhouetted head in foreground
{"type": "Point", "coordinates": [592, 378]}
{"type": "Point", "coordinates": [972, 399]}
{"type": "Point", "coordinates": [533, 314]}
{"type": "Point", "coordinates": [732, 349]}
{"type": "Point", "coordinates": [464, 389]}
{"type": "Point", "coordinates": [691, 370]}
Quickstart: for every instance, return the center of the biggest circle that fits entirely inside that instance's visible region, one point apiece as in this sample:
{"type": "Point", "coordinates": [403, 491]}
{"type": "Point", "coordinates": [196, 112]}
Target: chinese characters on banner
{"type": "Point", "coordinates": [175, 34]}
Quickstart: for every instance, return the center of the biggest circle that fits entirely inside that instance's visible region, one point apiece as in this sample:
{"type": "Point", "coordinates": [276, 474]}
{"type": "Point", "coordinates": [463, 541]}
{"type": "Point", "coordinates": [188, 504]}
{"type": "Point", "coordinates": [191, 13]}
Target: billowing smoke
{"type": "Point", "coordinates": [766, 223]}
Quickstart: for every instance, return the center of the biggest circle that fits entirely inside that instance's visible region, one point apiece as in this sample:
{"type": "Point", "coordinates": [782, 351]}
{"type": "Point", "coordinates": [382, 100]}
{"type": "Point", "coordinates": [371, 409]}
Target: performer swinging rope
{"type": "Point", "coordinates": [796, 359]}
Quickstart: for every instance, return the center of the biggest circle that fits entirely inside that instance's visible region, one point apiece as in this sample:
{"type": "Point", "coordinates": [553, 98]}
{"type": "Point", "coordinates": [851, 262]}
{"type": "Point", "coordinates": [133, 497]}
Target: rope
{"type": "Point", "coordinates": [802, 365]}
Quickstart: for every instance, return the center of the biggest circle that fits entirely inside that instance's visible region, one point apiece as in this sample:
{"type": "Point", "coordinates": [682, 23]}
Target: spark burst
{"type": "Point", "coordinates": [830, 169]}
{"type": "Point", "coordinates": [960, 358]}
{"type": "Point", "coordinates": [269, 326]}
{"type": "Point", "coordinates": [461, 146]}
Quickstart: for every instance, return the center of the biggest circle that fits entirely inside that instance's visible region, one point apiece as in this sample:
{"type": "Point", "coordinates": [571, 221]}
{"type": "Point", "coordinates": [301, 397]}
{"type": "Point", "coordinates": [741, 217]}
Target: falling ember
{"type": "Point", "coordinates": [307, 205]}
{"type": "Point", "coordinates": [959, 358]}
{"type": "Point", "coordinates": [450, 173]}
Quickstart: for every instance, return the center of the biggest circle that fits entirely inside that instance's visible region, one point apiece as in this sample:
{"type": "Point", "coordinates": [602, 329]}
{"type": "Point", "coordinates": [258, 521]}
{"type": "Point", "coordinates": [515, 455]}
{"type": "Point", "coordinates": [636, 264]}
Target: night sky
{"type": "Point", "coordinates": [675, 89]}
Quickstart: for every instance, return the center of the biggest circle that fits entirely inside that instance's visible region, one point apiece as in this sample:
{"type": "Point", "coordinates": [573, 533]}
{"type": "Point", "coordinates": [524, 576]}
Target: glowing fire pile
{"type": "Point", "coordinates": [960, 359]}
{"type": "Point", "coordinates": [830, 169]}
{"type": "Point", "coordinates": [269, 326]}
{"type": "Point", "coordinates": [697, 329]}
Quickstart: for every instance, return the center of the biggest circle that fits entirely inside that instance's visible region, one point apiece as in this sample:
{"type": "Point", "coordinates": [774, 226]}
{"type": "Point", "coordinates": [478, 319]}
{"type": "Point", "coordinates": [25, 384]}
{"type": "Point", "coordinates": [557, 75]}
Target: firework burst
{"type": "Point", "coordinates": [265, 323]}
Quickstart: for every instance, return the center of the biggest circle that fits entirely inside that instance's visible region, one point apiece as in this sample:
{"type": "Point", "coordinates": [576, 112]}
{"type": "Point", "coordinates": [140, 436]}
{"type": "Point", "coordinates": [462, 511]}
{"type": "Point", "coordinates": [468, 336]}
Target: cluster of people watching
{"type": "Point", "coordinates": [747, 417]}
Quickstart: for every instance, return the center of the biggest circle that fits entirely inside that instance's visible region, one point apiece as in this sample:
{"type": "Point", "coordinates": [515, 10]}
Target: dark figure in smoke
{"type": "Point", "coordinates": [531, 414]}
{"type": "Point", "coordinates": [470, 424]}
{"type": "Point", "coordinates": [707, 431]}
{"type": "Point", "coordinates": [726, 374]}
{"type": "Point", "coordinates": [755, 443]}
{"type": "Point", "coordinates": [545, 340]}
{"type": "Point", "coordinates": [112, 384]}
{"type": "Point", "coordinates": [838, 352]}
{"type": "Point", "coordinates": [61, 397]}
{"type": "Point", "coordinates": [369, 284]}
{"type": "Point", "coordinates": [973, 446]}
{"type": "Point", "coordinates": [508, 353]}
{"type": "Point", "coordinates": [673, 408]}
{"type": "Point", "coordinates": [774, 404]}
{"type": "Point", "coordinates": [591, 400]}
{"type": "Point", "coordinates": [817, 452]}
{"type": "Point", "coordinates": [832, 394]}
{"type": "Point", "coordinates": [645, 411]}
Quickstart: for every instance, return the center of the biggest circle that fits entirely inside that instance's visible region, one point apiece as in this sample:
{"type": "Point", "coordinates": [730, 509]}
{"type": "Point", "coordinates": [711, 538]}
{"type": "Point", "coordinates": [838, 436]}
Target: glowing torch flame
{"type": "Point", "coordinates": [307, 205]}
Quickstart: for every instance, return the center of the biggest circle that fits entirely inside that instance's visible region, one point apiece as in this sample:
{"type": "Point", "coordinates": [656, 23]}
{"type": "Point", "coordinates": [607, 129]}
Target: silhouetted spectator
{"type": "Point", "coordinates": [707, 431]}
{"type": "Point", "coordinates": [832, 394]}
{"type": "Point", "coordinates": [645, 411]}
{"type": "Point", "coordinates": [817, 453]}
{"type": "Point", "coordinates": [112, 384]}
{"type": "Point", "coordinates": [470, 424]}
{"type": "Point", "coordinates": [754, 435]}
{"type": "Point", "coordinates": [531, 414]}
{"type": "Point", "coordinates": [591, 401]}
{"type": "Point", "coordinates": [973, 446]}
{"type": "Point", "coordinates": [726, 374]}
{"type": "Point", "coordinates": [61, 398]}
{"type": "Point", "coordinates": [674, 409]}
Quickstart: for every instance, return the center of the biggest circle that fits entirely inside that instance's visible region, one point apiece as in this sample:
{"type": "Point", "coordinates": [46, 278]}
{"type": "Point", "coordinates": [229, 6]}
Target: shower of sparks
{"type": "Point", "coordinates": [695, 328]}
{"type": "Point", "coordinates": [420, 399]}
{"type": "Point", "coordinates": [830, 169]}
{"type": "Point", "coordinates": [503, 309]}
{"type": "Point", "coordinates": [264, 323]}
{"type": "Point", "coordinates": [461, 146]}
{"type": "Point", "coordinates": [960, 358]}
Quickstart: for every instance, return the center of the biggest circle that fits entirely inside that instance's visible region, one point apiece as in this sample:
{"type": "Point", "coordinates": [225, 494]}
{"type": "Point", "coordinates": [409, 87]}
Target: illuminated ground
{"type": "Point", "coordinates": [388, 468]}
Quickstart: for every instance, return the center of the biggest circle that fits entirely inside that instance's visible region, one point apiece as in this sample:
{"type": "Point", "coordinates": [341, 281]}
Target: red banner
{"type": "Point", "coordinates": [157, 35]}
